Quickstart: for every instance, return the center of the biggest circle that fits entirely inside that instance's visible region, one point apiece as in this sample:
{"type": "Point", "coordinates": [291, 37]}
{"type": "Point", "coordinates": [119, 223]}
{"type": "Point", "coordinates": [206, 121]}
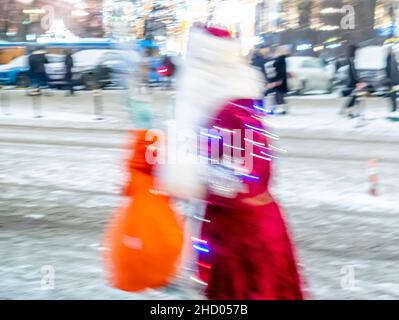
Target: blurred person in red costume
{"type": "Point", "coordinates": [244, 249]}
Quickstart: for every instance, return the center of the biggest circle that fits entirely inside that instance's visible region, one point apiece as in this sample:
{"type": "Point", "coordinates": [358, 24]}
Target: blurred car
{"type": "Point", "coordinates": [55, 70]}
{"type": "Point", "coordinates": [16, 72]}
{"type": "Point", "coordinates": [341, 79]}
{"type": "Point", "coordinates": [330, 67]}
{"type": "Point", "coordinates": [98, 68]}
{"type": "Point", "coordinates": [307, 74]}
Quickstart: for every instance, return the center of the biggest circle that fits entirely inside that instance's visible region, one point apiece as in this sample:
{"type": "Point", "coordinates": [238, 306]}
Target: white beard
{"type": "Point", "coordinates": [214, 73]}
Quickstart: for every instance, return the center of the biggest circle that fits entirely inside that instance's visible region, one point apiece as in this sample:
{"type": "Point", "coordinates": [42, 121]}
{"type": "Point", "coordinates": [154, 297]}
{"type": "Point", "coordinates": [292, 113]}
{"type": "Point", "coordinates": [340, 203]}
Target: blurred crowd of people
{"type": "Point", "coordinates": [37, 74]}
{"type": "Point", "coordinates": [273, 65]}
{"type": "Point", "coordinates": [272, 62]}
{"type": "Point", "coordinates": [357, 87]}
{"type": "Point", "coordinates": [156, 70]}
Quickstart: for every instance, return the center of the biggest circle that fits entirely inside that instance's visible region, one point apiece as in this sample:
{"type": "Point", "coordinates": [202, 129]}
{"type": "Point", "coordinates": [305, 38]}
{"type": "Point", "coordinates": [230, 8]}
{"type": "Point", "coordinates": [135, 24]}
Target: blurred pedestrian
{"type": "Point", "coordinates": [154, 62]}
{"type": "Point", "coordinates": [259, 58]}
{"type": "Point", "coordinates": [37, 68]}
{"type": "Point", "coordinates": [277, 79]}
{"type": "Point", "coordinates": [167, 71]}
{"type": "Point", "coordinates": [244, 248]}
{"type": "Point", "coordinates": [68, 72]}
{"type": "Point", "coordinates": [354, 83]}
{"type": "Point", "coordinates": [142, 72]}
{"type": "Point", "coordinates": [392, 77]}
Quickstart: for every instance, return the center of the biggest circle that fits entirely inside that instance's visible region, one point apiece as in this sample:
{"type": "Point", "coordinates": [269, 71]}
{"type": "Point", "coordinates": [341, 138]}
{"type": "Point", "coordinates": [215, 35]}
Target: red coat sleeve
{"type": "Point", "coordinates": [248, 141]}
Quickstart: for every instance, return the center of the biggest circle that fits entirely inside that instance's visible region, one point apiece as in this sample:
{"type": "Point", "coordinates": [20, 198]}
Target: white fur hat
{"type": "Point", "coordinates": [214, 73]}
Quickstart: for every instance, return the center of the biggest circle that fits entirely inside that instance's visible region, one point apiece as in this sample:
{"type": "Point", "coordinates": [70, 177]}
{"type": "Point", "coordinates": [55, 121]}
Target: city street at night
{"type": "Point", "coordinates": [199, 157]}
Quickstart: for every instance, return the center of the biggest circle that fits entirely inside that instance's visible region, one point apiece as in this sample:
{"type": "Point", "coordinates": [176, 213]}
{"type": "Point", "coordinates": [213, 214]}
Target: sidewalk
{"type": "Point", "coordinates": [311, 117]}
{"type": "Point", "coordinates": [59, 111]}
{"type": "Point", "coordinates": [315, 117]}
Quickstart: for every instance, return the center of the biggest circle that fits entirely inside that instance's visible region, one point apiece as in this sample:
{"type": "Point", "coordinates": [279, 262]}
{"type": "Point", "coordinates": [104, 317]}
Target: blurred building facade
{"type": "Point", "coordinates": [314, 26]}
{"type": "Point", "coordinates": [326, 24]}
{"type": "Point", "coordinates": [22, 20]}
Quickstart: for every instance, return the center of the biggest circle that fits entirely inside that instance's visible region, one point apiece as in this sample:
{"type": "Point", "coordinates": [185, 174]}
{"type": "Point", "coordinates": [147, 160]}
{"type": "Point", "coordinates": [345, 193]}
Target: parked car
{"type": "Point", "coordinates": [102, 67]}
{"type": "Point", "coordinates": [16, 72]}
{"type": "Point", "coordinates": [55, 70]}
{"type": "Point", "coordinates": [92, 68]}
{"type": "Point", "coordinates": [307, 74]}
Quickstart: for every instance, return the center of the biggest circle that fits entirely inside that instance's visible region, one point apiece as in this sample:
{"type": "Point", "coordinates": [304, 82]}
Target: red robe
{"type": "Point", "coordinates": [250, 253]}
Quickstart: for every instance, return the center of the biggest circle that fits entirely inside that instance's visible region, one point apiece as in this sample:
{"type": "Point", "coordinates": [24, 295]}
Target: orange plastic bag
{"type": "Point", "coordinates": [144, 239]}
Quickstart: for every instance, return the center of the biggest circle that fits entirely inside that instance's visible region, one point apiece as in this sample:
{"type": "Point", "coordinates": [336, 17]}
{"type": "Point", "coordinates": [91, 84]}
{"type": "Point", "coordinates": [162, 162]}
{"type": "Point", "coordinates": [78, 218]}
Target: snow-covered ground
{"type": "Point", "coordinates": [55, 201]}
{"type": "Point", "coordinates": [60, 176]}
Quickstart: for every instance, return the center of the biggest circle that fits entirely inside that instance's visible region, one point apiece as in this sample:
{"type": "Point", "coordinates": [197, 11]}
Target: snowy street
{"type": "Point", "coordinates": [60, 177]}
